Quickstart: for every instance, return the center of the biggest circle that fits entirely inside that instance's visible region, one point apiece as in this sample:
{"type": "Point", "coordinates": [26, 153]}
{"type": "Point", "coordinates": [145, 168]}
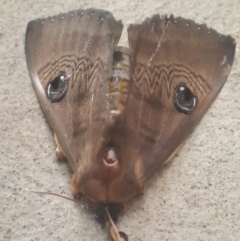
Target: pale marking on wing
{"type": "Point", "coordinates": [38, 84]}
{"type": "Point", "coordinates": [224, 60]}
{"type": "Point", "coordinates": [90, 116]}
{"type": "Point", "coordinates": [158, 46]}
{"type": "Point", "coordinates": [227, 67]}
{"type": "Point", "coordinates": [116, 112]}
{"type": "Point", "coordinates": [140, 117]}
{"type": "Point", "coordinates": [165, 118]}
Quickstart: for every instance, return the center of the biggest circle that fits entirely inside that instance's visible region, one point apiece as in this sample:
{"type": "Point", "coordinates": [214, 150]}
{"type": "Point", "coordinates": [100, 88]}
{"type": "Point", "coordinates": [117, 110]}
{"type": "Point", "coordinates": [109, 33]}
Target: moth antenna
{"type": "Point", "coordinates": [113, 231]}
{"type": "Point", "coordinates": [53, 194]}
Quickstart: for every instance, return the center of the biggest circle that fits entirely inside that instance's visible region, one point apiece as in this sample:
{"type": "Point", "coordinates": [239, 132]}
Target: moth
{"type": "Point", "coordinates": [118, 114]}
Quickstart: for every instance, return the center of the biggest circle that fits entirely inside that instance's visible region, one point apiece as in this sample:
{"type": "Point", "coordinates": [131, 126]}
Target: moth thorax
{"type": "Point", "coordinates": [111, 167]}
{"type": "Point", "coordinates": [119, 82]}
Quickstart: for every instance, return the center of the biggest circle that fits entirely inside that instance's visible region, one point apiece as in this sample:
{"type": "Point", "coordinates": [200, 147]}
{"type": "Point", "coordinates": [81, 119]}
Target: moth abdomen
{"type": "Point", "coordinates": [119, 81]}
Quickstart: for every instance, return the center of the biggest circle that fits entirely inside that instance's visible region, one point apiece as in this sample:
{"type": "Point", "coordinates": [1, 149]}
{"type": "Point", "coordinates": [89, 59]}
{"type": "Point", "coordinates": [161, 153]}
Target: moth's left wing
{"type": "Point", "coordinates": [178, 69]}
{"type": "Point", "coordinates": [69, 58]}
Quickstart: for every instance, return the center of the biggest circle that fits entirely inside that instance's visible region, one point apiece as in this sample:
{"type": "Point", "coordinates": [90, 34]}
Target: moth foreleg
{"type": "Point", "coordinates": [173, 154]}
{"type": "Point", "coordinates": [59, 152]}
{"type": "Point", "coordinates": [74, 186]}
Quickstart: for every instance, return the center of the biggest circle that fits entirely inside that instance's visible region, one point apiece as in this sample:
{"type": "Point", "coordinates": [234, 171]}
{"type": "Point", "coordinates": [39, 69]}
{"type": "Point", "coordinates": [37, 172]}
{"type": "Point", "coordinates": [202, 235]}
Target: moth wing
{"type": "Point", "coordinates": [79, 44]}
{"type": "Point", "coordinates": [166, 53]}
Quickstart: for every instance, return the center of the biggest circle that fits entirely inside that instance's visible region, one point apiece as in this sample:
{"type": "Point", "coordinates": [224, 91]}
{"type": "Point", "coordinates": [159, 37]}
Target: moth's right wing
{"type": "Point", "coordinates": [178, 69]}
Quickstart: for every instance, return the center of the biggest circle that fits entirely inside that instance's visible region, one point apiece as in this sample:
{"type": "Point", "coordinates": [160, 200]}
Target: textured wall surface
{"type": "Point", "coordinates": [195, 197]}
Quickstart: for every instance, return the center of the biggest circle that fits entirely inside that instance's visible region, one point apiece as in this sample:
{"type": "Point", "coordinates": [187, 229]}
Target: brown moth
{"type": "Point", "coordinates": [119, 114]}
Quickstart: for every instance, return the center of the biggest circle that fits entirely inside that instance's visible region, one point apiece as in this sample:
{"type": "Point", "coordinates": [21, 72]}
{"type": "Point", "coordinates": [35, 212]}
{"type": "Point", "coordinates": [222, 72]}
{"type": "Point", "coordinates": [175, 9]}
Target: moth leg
{"type": "Point", "coordinates": [139, 170]}
{"type": "Point", "coordinates": [59, 152]}
{"type": "Point", "coordinates": [173, 154]}
{"type": "Point", "coordinates": [74, 186]}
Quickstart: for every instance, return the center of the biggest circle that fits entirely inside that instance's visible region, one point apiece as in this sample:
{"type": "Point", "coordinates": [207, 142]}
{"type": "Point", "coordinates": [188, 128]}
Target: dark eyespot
{"type": "Point", "coordinates": [57, 88]}
{"type": "Point", "coordinates": [185, 101]}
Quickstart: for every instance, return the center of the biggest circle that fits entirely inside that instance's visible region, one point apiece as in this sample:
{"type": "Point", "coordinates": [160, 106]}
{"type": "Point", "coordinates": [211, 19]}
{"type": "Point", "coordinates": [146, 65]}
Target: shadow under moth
{"type": "Point", "coordinates": [118, 114]}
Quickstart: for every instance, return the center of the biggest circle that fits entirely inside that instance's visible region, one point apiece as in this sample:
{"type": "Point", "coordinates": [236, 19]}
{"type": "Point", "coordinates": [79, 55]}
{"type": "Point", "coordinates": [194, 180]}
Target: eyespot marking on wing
{"type": "Point", "coordinates": [185, 101]}
{"type": "Point", "coordinates": [57, 88]}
